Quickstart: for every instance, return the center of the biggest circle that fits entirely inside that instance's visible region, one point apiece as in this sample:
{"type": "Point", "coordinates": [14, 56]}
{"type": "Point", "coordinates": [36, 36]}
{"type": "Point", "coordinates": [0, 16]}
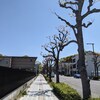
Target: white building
{"type": "Point", "coordinates": [71, 67]}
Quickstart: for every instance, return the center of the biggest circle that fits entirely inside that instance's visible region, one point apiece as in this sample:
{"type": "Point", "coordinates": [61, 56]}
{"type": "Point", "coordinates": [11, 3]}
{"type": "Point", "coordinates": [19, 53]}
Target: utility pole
{"type": "Point", "coordinates": [93, 56]}
{"type": "Point", "coordinates": [92, 46]}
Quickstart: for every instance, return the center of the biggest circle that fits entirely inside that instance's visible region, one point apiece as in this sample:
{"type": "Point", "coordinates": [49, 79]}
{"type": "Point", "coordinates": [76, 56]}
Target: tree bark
{"type": "Point", "coordinates": [47, 68]}
{"type": "Point", "coordinates": [57, 72]}
{"type": "Point", "coordinates": [50, 74]}
{"type": "Point", "coordinates": [83, 72]}
{"type": "Point", "coordinates": [81, 66]}
{"type": "Point", "coordinates": [95, 66]}
{"type": "Point", "coordinates": [95, 69]}
{"type": "Point", "coordinates": [97, 72]}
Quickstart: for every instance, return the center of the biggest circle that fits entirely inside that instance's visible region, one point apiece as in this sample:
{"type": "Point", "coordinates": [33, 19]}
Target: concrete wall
{"type": "Point", "coordinates": [13, 95]}
{"type": "Point", "coordinates": [23, 62]}
{"type": "Point", "coordinates": [18, 62]}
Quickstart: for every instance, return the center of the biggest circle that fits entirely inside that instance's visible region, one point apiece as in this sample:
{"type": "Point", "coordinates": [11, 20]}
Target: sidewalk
{"type": "Point", "coordinates": [39, 90]}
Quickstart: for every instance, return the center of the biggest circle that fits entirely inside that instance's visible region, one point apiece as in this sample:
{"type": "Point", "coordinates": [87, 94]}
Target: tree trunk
{"type": "Point", "coordinates": [57, 72]}
{"type": "Point", "coordinates": [97, 72]}
{"type": "Point", "coordinates": [50, 74]}
{"type": "Point", "coordinates": [83, 72]}
{"type": "Point", "coordinates": [95, 68]}
{"type": "Point", "coordinates": [81, 66]}
{"type": "Point", "coordinates": [47, 69]}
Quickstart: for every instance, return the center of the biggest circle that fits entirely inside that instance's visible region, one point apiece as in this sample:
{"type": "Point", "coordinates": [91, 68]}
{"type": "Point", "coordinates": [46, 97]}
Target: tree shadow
{"type": "Point", "coordinates": [39, 93]}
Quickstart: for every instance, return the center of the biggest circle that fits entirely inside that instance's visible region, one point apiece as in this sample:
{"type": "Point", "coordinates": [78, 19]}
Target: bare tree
{"type": "Point", "coordinates": [45, 66]}
{"type": "Point", "coordinates": [76, 7]}
{"type": "Point", "coordinates": [56, 45]}
{"type": "Point", "coordinates": [49, 60]}
{"type": "Point", "coordinates": [45, 63]}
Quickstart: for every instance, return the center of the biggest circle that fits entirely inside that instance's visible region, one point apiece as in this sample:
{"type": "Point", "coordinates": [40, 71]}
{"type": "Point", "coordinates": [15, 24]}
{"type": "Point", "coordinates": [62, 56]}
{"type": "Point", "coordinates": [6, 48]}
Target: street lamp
{"type": "Point", "coordinates": [93, 56]}
{"type": "Point", "coordinates": [92, 46]}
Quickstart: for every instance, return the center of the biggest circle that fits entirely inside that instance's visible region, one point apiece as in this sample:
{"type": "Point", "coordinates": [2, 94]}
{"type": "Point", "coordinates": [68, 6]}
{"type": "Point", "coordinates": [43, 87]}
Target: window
{"type": "Point", "coordinates": [6, 62]}
{"type": "Point", "coordinates": [73, 60]}
{"type": "Point", "coordinates": [74, 66]}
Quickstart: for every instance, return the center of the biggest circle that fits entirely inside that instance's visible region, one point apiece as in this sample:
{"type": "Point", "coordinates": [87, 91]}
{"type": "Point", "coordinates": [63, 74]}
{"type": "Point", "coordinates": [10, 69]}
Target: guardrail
{"type": "Point", "coordinates": [15, 93]}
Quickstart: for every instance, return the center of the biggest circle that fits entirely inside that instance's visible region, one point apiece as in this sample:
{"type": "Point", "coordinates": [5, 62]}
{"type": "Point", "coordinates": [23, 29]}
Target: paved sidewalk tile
{"type": "Point", "coordinates": [39, 90]}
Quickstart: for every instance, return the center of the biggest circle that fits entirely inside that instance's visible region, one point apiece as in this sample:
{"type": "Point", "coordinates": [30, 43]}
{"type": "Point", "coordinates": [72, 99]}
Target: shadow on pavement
{"type": "Point", "coordinates": [40, 93]}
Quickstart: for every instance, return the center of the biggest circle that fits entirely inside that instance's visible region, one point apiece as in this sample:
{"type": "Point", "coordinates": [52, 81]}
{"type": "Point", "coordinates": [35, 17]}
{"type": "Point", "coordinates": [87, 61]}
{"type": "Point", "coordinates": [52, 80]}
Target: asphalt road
{"type": "Point", "coordinates": [76, 84]}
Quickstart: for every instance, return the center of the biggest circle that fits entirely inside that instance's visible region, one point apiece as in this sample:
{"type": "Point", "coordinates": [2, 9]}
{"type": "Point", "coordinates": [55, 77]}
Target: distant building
{"type": "Point", "coordinates": [5, 61]}
{"type": "Point", "coordinates": [70, 68]}
{"type": "Point", "coordinates": [25, 63]}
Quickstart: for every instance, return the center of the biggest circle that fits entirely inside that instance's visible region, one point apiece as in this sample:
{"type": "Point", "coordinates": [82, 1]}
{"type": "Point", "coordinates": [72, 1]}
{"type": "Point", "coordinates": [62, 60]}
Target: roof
{"type": "Point", "coordinates": [18, 57]}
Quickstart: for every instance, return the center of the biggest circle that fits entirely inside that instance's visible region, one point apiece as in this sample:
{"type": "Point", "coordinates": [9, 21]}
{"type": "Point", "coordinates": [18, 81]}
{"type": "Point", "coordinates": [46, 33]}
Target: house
{"type": "Point", "coordinates": [71, 67]}
{"type": "Point", "coordinates": [15, 62]}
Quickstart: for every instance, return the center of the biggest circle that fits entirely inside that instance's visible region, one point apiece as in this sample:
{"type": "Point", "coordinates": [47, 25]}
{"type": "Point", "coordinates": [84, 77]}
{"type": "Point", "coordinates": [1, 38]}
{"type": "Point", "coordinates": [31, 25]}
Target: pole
{"type": "Point", "coordinates": [92, 46]}
{"type": "Point", "coordinates": [93, 56]}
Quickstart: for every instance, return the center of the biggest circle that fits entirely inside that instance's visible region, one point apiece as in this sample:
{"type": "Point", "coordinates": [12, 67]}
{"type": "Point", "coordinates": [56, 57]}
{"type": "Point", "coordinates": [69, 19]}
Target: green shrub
{"type": "Point", "coordinates": [65, 92]}
{"type": "Point", "coordinates": [95, 78]}
{"type": "Point", "coordinates": [24, 93]}
{"type": "Point", "coordinates": [94, 99]}
{"type": "Point", "coordinates": [47, 78]}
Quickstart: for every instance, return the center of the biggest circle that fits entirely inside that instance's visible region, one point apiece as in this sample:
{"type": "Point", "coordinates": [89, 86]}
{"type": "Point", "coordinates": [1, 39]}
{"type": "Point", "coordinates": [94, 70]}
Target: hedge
{"type": "Point", "coordinates": [94, 99]}
{"type": "Point", "coordinates": [65, 92]}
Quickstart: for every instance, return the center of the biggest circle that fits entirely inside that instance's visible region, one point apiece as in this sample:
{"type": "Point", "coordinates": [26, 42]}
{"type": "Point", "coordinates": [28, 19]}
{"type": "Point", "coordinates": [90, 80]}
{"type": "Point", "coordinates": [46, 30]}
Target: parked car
{"type": "Point", "coordinates": [77, 76]}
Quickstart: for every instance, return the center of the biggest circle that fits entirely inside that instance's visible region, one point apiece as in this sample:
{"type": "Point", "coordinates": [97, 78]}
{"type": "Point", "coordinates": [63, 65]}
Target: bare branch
{"type": "Point", "coordinates": [64, 5]}
{"type": "Point", "coordinates": [53, 43]}
{"type": "Point", "coordinates": [86, 26]}
{"type": "Point", "coordinates": [90, 4]}
{"type": "Point", "coordinates": [54, 55]}
{"type": "Point", "coordinates": [70, 2]}
{"type": "Point", "coordinates": [90, 12]}
{"type": "Point", "coordinates": [56, 42]}
{"type": "Point", "coordinates": [47, 56]}
{"type": "Point", "coordinates": [62, 35]}
{"type": "Point", "coordinates": [69, 24]}
{"type": "Point", "coordinates": [48, 50]}
{"type": "Point", "coordinates": [72, 41]}
{"type": "Point", "coordinates": [51, 50]}
{"type": "Point", "coordinates": [64, 20]}
{"type": "Point", "coordinates": [75, 33]}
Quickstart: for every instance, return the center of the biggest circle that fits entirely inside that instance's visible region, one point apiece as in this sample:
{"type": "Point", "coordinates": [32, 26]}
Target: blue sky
{"type": "Point", "coordinates": [25, 24]}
